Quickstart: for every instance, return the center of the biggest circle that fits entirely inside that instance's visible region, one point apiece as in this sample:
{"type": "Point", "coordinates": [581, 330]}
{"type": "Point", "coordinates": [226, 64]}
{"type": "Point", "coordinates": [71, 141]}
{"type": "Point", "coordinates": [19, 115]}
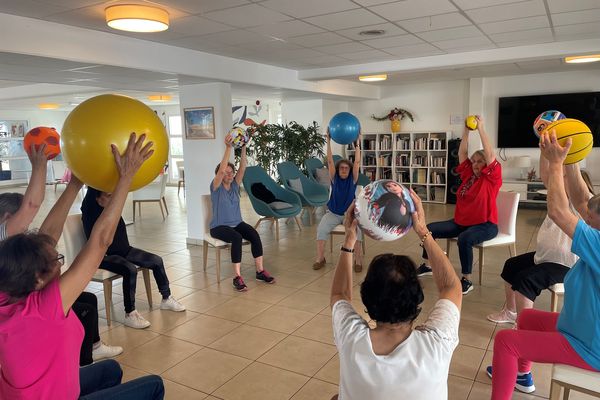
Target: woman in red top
{"type": "Point", "coordinates": [476, 216]}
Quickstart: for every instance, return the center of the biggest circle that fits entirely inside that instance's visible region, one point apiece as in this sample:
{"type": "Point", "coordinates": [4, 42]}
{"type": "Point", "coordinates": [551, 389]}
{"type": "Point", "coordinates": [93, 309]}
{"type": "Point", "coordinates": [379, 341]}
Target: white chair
{"type": "Point", "coordinates": [556, 290]}
{"type": "Point", "coordinates": [341, 230]}
{"type": "Point", "coordinates": [181, 173]}
{"type": "Point", "coordinates": [208, 240]}
{"type": "Point", "coordinates": [153, 192]}
{"type": "Point", "coordinates": [74, 237]}
{"type": "Point", "coordinates": [58, 172]}
{"type": "Point", "coordinates": [572, 378]}
{"type": "Point", "coordinates": [508, 204]}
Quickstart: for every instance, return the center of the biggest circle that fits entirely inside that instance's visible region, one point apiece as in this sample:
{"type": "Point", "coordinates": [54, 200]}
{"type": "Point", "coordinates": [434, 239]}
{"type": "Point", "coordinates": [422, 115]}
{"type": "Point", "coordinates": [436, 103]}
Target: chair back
{"type": "Point", "coordinates": [180, 170]}
{"type": "Point", "coordinates": [58, 169]}
{"type": "Point", "coordinates": [155, 190]}
{"type": "Point", "coordinates": [508, 205]}
{"type": "Point", "coordinates": [206, 212]}
{"type": "Point", "coordinates": [288, 170]}
{"type": "Point", "coordinates": [74, 237]}
{"type": "Point", "coordinates": [312, 165]}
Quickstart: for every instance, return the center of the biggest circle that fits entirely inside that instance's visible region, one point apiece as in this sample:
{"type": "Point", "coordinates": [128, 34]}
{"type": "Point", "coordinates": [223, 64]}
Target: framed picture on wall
{"type": "Point", "coordinates": [199, 122]}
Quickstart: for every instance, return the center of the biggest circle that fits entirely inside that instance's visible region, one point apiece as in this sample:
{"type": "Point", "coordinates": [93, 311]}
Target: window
{"type": "Point", "coordinates": [175, 145]}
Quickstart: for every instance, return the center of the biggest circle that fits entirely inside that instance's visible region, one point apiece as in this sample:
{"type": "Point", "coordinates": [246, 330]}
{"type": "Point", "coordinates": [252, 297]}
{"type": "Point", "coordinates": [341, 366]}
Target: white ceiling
{"type": "Point", "coordinates": [309, 34]}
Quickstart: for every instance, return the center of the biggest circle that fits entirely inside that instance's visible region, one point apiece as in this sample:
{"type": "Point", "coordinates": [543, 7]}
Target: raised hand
{"type": "Point", "coordinates": [37, 155]}
{"type": "Point", "coordinates": [228, 141]}
{"type": "Point", "coordinates": [350, 223]}
{"type": "Point", "coordinates": [134, 156]}
{"type": "Point", "coordinates": [552, 150]}
{"type": "Point", "coordinates": [418, 216]}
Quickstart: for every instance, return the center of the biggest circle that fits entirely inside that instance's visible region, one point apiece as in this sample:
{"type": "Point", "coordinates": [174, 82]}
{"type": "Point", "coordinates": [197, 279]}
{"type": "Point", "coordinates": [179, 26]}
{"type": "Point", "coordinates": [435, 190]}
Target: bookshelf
{"type": "Point", "coordinates": [416, 159]}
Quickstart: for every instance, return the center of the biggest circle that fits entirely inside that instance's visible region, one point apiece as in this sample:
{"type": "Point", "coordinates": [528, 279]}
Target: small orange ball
{"type": "Point", "coordinates": [43, 135]}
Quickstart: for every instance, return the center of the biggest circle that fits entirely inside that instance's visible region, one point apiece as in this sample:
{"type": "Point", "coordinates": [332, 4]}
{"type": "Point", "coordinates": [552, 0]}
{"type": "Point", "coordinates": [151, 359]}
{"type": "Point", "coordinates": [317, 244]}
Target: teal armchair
{"type": "Point", "coordinates": [266, 212]}
{"type": "Point", "coordinates": [312, 165]}
{"type": "Point", "coordinates": [312, 194]}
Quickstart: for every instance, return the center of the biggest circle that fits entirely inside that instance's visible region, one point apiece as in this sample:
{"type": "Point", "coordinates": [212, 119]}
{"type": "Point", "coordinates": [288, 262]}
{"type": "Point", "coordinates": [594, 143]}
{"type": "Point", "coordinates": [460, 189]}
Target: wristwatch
{"type": "Point", "coordinates": [346, 249]}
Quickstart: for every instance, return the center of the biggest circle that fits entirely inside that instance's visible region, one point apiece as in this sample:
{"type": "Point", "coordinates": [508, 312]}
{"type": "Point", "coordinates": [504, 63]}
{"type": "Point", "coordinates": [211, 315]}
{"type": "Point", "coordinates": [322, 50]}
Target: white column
{"type": "Point", "coordinates": [202, 156]}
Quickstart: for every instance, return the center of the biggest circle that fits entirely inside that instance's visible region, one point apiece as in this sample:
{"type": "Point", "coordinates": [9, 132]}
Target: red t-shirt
{"type": "Point", "coordinates": [476, 196]}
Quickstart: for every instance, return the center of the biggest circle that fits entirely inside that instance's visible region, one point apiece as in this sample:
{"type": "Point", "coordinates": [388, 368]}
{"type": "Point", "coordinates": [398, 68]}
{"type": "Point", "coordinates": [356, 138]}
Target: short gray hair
{"type": "Point", "coordinates": [480, 153]}
{"type": "Point", "coordinates": [594, 204]}
{"type": "Point", "coordinates": [10, 203]}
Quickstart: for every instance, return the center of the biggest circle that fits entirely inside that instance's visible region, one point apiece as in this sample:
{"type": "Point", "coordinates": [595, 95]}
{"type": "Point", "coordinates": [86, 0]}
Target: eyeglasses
{"type": "Point", "coordinates": [60, 259]}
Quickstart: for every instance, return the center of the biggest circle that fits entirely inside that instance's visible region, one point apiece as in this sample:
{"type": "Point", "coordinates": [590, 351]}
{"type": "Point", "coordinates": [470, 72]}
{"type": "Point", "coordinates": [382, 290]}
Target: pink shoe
{"type": "Point", "coordinates": [503, 317]}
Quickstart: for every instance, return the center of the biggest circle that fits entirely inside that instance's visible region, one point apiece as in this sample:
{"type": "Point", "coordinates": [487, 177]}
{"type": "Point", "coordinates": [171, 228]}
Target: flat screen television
{"type": "Point", "coordinates": [516, 115]}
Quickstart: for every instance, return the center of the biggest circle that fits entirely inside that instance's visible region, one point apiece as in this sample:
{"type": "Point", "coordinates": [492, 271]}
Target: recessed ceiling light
{"type": "Point", "coordinates": [582, 59]}
{"type": "Point", "coordinates": [372, 78]}
{"type": "Point", "coordinates": [48, 106]}
{"type": "Point", "coordinates": [372, 32]}
{"type": "Point", "coordinates": [137, 18]}
{"type": "Point", "coordinates": [159, 97]}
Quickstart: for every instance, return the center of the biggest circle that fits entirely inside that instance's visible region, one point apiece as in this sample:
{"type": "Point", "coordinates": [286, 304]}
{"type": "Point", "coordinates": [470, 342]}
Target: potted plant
{"type": "Point", "coordinates": [395, 116]}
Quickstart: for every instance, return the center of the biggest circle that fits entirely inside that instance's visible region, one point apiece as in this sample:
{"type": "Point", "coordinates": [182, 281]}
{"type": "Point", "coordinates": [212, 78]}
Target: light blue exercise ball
{"type": "Point", "coordinates": [344, 128]}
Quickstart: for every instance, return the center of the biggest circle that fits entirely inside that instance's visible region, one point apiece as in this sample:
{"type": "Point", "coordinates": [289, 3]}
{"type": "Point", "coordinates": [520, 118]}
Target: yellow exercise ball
{"type": "Point", "coordinates": [471, 122]}
{"type": "Point", "coordinates": [582, 139]}
{"type": "Point", "coordinates": [95, 124]}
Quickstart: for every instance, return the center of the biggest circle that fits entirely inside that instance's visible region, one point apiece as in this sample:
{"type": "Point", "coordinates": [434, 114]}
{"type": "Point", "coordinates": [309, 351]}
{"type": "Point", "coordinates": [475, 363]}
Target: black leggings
{"type": "Point", "coordinates": [529, 278]}
{"type": "Point", "coordinates": [235, 236]}
{"type": "Point", "coordinates": [86, 309]}
{"type": "Point", "coordinates": [127, 267]}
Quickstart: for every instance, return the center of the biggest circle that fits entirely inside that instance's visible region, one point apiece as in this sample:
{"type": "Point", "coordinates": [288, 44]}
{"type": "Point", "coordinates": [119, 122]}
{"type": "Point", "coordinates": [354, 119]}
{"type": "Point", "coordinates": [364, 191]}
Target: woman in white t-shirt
{"type": "Point", "coordinates": [395, 360]}
{"type": "Point", "coordinates": [526, 275]}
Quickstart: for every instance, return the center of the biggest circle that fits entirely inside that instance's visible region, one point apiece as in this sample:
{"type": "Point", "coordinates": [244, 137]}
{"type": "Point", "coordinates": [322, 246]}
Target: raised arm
{"type": "Point", "coordinates": [242, 168]}
{"type": "Point", "coordinates": [463, 149]}
{"type": "Point", "coordinates": [558, 203]}
{"type": "Point", "coordinates": [544, 170]}
{"type": "Point", "coordinates": [79, 274]}
{"type": "Point", "coordinates": [443, 274]}
{"type": "Point", "coordinates": [357, 155]}
{"type": "Point", "coordinates": [578, 191]}
{"type": "Point", "coordinates": [341, 288]}
{"type": "Point", "coordinates": [490, 155]}
{"type": "Point", "coordinates": [55, 221]}
{"type": "Point", "coordinates": [223, 166]}
{"type": "Point", "coordinates": [34, 195]}
{"type": "Point", "coordinates": [330, 163]}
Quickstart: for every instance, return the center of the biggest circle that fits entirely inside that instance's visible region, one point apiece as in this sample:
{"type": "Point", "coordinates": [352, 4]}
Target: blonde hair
{"type": "Point", "coordinates": [479, 153]}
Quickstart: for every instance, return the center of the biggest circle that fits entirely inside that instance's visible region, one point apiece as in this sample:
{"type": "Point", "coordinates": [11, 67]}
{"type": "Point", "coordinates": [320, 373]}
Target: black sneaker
{"type": "Point", "coordinates": [424, 270]}
{"type": "Point", "coordinates": [264, 276]}
{"type": "Point", "coordinates": [466, 284]}
{"type": "Point", "coordinates": [239, 285]}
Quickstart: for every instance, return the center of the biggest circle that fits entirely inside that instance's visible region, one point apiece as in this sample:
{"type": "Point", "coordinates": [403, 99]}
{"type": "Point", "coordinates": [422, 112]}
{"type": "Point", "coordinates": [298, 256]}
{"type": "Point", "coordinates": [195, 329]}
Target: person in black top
{"type": "Point", "coordinates": [123, 259]}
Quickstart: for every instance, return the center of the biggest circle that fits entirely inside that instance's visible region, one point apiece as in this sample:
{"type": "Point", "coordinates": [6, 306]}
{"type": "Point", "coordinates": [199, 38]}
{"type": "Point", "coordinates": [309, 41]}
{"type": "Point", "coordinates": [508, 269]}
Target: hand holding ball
{"type": "Point", "coordinates": [239, 137]}
{"type": "Point", "coordinates": [96, 124]}
{"type": "Point", "coordinates": [471, 122]}
{"type": "Point", "coordinates": [344, 128]}
{"type": "Point", "coordinates": [580, 135]}
{"type": "Point", "coordinates": [43, 135]}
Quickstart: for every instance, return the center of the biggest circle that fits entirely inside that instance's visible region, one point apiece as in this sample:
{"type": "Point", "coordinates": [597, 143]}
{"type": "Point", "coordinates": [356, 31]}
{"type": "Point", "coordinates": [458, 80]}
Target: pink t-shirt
{"type": "Point", "coordinates": [39, 347]}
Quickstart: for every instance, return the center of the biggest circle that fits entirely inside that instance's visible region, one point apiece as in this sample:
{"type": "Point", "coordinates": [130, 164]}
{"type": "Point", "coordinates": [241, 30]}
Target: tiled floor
{"type": "Point", "coordinates": [275, 341]}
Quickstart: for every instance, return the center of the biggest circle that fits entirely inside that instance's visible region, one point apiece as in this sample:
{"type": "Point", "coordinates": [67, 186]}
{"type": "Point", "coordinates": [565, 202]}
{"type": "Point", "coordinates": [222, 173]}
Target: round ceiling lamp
{"type": "Point", "coordinates": [137, 18]}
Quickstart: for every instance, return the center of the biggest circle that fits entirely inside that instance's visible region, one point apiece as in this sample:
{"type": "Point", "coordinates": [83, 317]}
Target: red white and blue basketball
{"type": "Point", "coordinates": [384, 210]}
{"type": "Point", "coordinates": [239, 137]}
{"type": "Point", "coordinates": [544, 119]}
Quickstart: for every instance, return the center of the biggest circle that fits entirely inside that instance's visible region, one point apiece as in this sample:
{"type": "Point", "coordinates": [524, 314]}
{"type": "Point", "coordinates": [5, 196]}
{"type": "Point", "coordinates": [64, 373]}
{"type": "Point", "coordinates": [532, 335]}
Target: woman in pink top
{"type": "Point", "coordinates": [39, 337]}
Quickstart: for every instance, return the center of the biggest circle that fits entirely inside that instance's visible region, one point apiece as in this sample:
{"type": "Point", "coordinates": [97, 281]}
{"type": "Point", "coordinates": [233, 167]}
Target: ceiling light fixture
{"type": "Point", "coordinates": [159, 97]}
{"type": "Point", "coordinates": [582, 59]}
{"type": "Point", "coordinates": [137, 18]}
{"type": "Point", "coordinates": [372, 32]}
{"type": "Point", "coordinates": [372, 78]}
{"type": "Point", "coordinates": [48, 106]}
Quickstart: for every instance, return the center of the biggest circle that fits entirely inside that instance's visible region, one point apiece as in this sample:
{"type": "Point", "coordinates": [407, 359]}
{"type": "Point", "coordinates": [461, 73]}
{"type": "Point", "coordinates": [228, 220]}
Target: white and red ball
{"type": "Point", "coordinates": [544, 119]}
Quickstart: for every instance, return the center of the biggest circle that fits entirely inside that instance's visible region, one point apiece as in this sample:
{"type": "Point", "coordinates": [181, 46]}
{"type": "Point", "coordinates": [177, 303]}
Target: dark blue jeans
{"type": "Point", "coordinates": [468, 236]}
{"type": "Point", "coordinates": [103, 381]}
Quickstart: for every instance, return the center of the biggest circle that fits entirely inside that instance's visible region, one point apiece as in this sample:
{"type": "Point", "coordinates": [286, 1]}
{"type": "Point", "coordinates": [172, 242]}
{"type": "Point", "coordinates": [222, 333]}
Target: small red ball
{"type": "Point", "coordinates": [43, 135]}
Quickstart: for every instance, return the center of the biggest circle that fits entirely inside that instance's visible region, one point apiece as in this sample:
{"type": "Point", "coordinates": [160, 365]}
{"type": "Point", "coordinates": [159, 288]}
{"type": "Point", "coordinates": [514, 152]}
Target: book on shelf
{"type": "Point", "coordinates": [385, 142]}
{"type": "Point", "coordinates": [420, 175]}
{"type": "Point", "coordinates": [437, 194]}
{"type": "Point", "coordinates": [403, 176]}
{"type": "Point", "coordinates": [437, 161]}
{"type": "Point", "coordinates": [371, 173]}
{"type": "Point", "coordinates": [403, 160]}
{"type": "Point", "coordinates": [437, 144]}
{"type": "Point", "coordinates": [402, 143]}
{"type": "Point", "coordinates": [386, 174]}
{"type": "Point", "coordinates": [421, 191]}
{"type": "Point", "coordinates": [437, 177]}
{"type": "Point", "coordinates": [419, 160]}
{"type": "Point", "coordinates": [385, 160]}
{"type": "Point", "coordinates": [369, 144]}
{"type": "Point", "coordinates": [420, 144]}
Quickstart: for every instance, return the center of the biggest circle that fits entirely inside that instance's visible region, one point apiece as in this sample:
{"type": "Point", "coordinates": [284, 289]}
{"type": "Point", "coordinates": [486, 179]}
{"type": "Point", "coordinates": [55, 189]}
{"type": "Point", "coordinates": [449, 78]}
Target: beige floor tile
{"type": "Point", "coordinates": [128, 338]}
{"type": "Point", "coordinates": [296, 279]}
{"type": "Point", "coordinates": [481, 391]}
{"type": "Point", "coordinates": [202, 301]}
{"type": "Point", "coordinates": [466, 361]}
{"type": "Point", "coordinates": [175, 391]}
{"type": "Point", "coordinates": [196, 280]}
{"type": "Point", "coordinates": [458, 388]}
{"type": "Point", "coordinates": [269, 293]}
{"type": "Point", "coordinates": [281, 319]}
{"type": "Point", "coordinates": [131, 373]}
{"type": "Point", "coordinates": [292, 354]}
{"type": "Point", "coordinates": [165, 320]}
{"type": "Point", "coordinates": [261, 382]}
{"type": "Point", "coordinates": [207, 370]}
{"type": "Point", "coordinates": [319, 328]}
{"type": "Point", "coordinates": [238, 309]}
{"type": "Point", "coordinates": [159, 354]}
{"type": "Point", "coordinates": [248, 341]}
{"type": "Point", "coordinates": [475, 333]}
{"type": "Point", "coordinates": [306, 301]}
{"type": "Point", "coordinates": [203, 330]}
{"type": "Point", "coordinates": [316, 389]}
{"type": "Point", "coordinates": [330, 371]}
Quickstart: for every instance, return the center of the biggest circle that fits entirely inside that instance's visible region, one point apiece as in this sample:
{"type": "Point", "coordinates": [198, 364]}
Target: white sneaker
{"type": "Point", "coordinates": [105, 351]}
{"type": "Point", "coordinates": [503, 317]}
{"type": "Point", "coordinates": [171, 304]}
{"type": "Point", "coordinates": [135, 320]}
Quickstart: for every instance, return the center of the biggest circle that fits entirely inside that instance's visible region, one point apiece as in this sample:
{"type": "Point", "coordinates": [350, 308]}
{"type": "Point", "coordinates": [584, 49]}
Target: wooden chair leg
{"type": "Point", "coordinates": [218, 267]}
{"type": "Point", "coordinates": [331, 243]}
{"type": "Point", "coordinates": [480, 264]}
{"type": "Point", "coordinates": [205, 254]}
{"type": "Point", "coordinates": [178, 187]}
{"type": "Point", "coordinates": [161, 209]}
{"type": "Point", "coordinates": [566, 393]}
{"type": "Point", "coordinates": [146, 275]}
{"type": "Point", "coordinates": [165, 203]}
{"type": "Point", "coordinates": [554, 302]}
{"type": "Point", "coordinates": [107, 285]}
{"type": "Point", "coordinates": [554, 391]}
{"type": "Point", "coordinates": [364, 246]}
{"type": "Point", "coordinates": [134, 211]}
{"type": "Point", "coordinates": [276, 221]}
{"type": "Point", "coordinates": [298, 222]}
{"type": "Point", "coordinates": [448, 241]}
{"type": "Point", "coordinates": [514, 247]}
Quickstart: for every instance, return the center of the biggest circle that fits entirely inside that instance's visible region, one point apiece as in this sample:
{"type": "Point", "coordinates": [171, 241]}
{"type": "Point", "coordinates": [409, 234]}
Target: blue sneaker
{"type": "Point", "coordinates": [523, 384]}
